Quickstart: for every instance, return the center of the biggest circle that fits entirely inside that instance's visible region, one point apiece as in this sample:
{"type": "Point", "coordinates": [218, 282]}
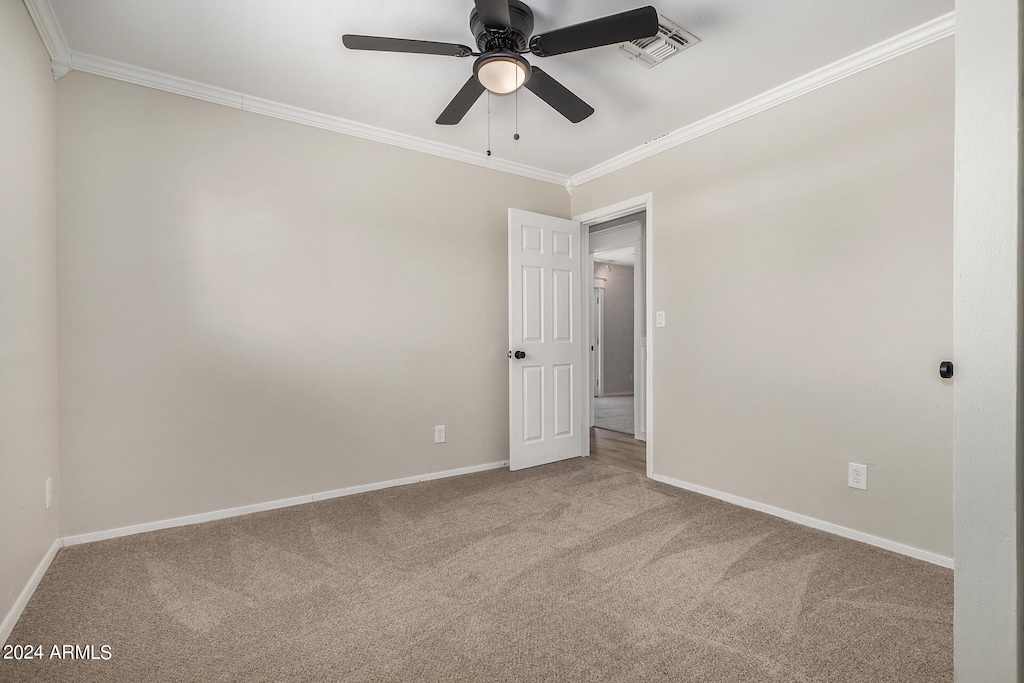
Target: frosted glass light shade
{"type": "Point", "coordinates": [502, 74]}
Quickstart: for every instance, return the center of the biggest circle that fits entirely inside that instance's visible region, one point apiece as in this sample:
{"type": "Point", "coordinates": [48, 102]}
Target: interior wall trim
{"type": "Point", "coordinates": [26, 593]}
{"type": "Point", "coordinates": [90, 63]}
{"type": "Point", "coordinates": [269, 505]}
{"type": "Point", "coordinates": [136, 75]}
{"type": "Point", "coordinates": [63, 60]}
{"type": "Point", "coordinates": [129, 73]}
{"type": "Point", "coordinates": [49, 30]}
{"type": "Point", "coordinates": [917, 37]}
{"type": "Point", "coordinates": [812, 522]}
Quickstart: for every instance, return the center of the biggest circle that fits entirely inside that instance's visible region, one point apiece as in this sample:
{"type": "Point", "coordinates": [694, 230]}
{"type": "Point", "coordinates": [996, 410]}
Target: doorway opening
{"type": "Point", "coordinates": [618, 340]}
{"type": "Point", "coordinates": [612, 341]}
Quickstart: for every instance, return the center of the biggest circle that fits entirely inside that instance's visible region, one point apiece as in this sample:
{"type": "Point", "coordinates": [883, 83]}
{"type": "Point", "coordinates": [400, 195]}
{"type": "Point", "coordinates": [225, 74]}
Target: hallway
{"type": "Point", "coordinates": [620, 450]}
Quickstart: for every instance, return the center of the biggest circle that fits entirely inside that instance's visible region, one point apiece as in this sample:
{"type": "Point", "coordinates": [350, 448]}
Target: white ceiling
{"type": "Point", "coordinates": [292, 53]}
{"type": "Point", "coordinates": [618, 257]}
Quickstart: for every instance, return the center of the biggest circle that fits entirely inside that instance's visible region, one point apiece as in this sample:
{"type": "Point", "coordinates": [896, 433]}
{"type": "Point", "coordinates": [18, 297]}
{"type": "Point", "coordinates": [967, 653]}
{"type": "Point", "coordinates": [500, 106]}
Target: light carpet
{"type": "Point", "coordinates": [575, 571]}
{"type": "Point", "coordinates": [614, 413]}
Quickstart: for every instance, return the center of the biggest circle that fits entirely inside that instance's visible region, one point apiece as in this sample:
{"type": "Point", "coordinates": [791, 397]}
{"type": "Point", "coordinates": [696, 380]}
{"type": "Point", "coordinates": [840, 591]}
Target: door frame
{"type": "Point", "coordinates": [596, 335]}
{"type": "Point", "coordinates": [645, 203]}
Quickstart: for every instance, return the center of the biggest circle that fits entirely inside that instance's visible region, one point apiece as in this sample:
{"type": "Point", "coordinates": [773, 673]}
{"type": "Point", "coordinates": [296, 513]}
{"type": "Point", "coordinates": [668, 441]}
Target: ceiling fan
{"type": "Point", "coordinates": [503, 30]}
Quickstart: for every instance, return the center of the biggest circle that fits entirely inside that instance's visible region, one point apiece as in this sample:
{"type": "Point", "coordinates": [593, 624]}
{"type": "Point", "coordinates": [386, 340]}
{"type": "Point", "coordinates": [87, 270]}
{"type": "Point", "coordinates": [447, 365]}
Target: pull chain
{"type": "Point", "coordinates": [488, 123]}
{"type": "Point", "coordinates": [516, 136]}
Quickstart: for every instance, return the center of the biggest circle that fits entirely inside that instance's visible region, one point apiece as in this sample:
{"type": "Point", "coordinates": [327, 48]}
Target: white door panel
{"type": "Point", "coordinates": [545, 323]}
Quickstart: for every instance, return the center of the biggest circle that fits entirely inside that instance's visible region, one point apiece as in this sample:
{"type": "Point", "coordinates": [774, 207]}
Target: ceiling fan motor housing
{"type": "Point", "coordinates": [513, 38]}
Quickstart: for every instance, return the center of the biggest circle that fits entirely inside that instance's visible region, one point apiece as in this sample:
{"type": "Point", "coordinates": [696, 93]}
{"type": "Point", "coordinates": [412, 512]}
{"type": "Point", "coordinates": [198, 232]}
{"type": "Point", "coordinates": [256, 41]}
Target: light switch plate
{"type": "Point", "coordinates": [659, 318]}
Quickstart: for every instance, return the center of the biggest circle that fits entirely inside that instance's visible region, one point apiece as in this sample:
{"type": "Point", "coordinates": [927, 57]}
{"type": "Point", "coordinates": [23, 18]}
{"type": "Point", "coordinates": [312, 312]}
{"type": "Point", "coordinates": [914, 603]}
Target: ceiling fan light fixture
{"type": "Point", "coordinates": [502, 72]}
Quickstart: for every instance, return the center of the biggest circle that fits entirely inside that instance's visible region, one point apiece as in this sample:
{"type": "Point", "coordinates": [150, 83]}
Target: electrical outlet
{"type": "Point", "coordinates": [439, 434]}
{"type": "Point", "coordinates": [49, 488]}
{"type": "Point", "coordinates": [858, 478]}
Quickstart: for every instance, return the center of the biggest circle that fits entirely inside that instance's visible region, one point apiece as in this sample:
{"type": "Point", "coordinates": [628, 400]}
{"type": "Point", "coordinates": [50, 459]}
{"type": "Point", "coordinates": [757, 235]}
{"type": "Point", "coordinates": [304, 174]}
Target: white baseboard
{"type": "Point", "coordinates": [804, 520]}
{"type": "Point", "coordinates": [271, 505]}
{"type": "Point", "coordinates": [26, 593]}
{"type": "Point", "coordinates": [352, 490]}
{"type": "Point", "coordinates": [44, 564]}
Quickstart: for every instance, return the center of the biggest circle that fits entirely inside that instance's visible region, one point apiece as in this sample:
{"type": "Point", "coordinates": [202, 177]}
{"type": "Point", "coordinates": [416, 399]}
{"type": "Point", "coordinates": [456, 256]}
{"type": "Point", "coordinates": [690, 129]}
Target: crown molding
{"type": "Point", "coordinates": [129, 73]}
{"type": "Point", "coordinates": [49, 30]}
{"type": "Point", "coordinates": [101, 66]}
{"type": "Point", "coordinates": [362, 130]}
{"type": "Point", "coordinates": [917, 37]}
{"type": "Point", "coordinates": [64, 60]}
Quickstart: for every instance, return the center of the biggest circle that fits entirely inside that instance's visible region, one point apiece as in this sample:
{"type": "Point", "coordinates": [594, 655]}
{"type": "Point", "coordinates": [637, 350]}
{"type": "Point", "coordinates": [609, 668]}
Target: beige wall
{"type": "Point", "coordinates": [253, 310]}
{"type": "Point", "coordinates": [617, 343]}
{"type": "Point", "coordinates": [804, 259]}
{"type": "Point", "coordinates": [28, 303]}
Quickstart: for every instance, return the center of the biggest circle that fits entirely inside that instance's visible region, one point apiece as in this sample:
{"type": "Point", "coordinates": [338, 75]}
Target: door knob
{"type": "Point", "coordinates": [519, 355]}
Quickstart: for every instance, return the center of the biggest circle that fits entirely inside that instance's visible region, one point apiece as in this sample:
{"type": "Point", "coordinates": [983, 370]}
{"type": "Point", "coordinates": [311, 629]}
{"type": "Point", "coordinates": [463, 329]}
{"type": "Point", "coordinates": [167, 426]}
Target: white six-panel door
{"type": "Point", "coordinates": [546, 386]}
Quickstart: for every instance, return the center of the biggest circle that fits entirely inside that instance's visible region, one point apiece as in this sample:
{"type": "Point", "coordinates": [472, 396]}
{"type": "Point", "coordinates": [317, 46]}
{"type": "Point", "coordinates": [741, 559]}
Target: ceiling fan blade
{"type": "Point", "coordinates": [421, 47]}
{"type": "Point", "coordinates": [558, 96]}
{"type": "Point", "coordinates": [460, 104]}
{"type": "Point", "coordinates": [493, 13]}
{"type": "Point", "coordinates": [615, 28]}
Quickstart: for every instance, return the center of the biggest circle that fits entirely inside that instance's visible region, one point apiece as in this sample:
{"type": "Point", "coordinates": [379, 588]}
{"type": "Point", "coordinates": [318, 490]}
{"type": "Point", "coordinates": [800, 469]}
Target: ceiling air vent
{"type": "Point", "coordinates": [670, 41]}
